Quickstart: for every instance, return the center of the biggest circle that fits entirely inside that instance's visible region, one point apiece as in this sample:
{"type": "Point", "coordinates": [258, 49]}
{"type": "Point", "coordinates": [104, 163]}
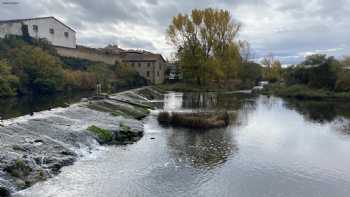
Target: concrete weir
{"type": "Point", "coordinates": [35, 148]}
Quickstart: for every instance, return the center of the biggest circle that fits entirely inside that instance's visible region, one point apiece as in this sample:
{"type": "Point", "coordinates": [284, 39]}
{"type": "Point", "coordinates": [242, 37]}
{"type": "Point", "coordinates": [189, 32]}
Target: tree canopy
{"type": "Point", "coordinates": [206, 45]}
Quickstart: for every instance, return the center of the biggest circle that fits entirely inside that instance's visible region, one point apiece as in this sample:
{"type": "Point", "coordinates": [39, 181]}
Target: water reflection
{"type": "Point", "coordinates": [336, 113]}
{"type": "Point", "coordinates": [18, 106]}
{"type": "Point", "coordinates": [206, 149]}
{"type": "Point", "coordinates": [210, 101]}
{"type": "Point", "coordinates": [173, 101]}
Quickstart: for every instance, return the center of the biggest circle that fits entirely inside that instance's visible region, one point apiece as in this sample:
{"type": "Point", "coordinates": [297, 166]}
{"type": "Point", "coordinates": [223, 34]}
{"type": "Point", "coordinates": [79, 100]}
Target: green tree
{"type": "Point", "coordinates": [315, 59]}
{"type": "Point", "coordinates": [104, 74]}
{"type": "Point", "coordinates": [250, 73]}
{"type": "Point", "coordinates": [37, 70]}
{"type": "Point", "coordinates": [272, 68]}
{"type": "Point", "coordinates": [343, 75]}
{"type": "Point", "coordinates": [317, 71]}
{"type": "Point", "coordinates": [206, 47]}
{"type": "Point", "coordinates": [8, 82]}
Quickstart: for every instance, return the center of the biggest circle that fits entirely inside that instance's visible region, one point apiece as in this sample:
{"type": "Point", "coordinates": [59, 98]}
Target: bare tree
{"type": "Point", "coordinates": [245, 51]}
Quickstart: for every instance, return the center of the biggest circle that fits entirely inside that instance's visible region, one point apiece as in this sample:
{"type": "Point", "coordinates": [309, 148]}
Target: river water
{"type": "Point", "coordinates": [275, 147]}
{"type": "Point", "coordinates": [20, 106]}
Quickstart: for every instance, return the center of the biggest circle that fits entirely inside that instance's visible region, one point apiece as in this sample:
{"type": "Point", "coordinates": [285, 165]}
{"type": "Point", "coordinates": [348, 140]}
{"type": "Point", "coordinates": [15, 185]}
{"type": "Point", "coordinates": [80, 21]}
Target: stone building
{"type": "Point", "coordinates": [50, 28]}
{"type": "Point", "coordinates": [149, 65]}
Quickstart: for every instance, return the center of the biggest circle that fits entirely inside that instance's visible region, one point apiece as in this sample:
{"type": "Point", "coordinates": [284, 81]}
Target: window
{"type": "Point", "coordinates": [148, 65]}
{"type": "Point", "coordinates": [132, 64]}
{"type": "Point", "coordinates": [139, 65]}
{"type": "Point", "coordinates": [66, 34]}
{"type": "Point", "coordinates": [52, 31]}
{"type": "Point", "coordinates": [148, 73]}
{"type": "Point", "coordinates": [158, 73]}
{"type": "Point", "coordinates": [35, 28]}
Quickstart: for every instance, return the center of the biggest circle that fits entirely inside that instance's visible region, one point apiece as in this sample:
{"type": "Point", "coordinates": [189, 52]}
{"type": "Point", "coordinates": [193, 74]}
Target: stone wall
{"type": "Point", "coordinates": [152, 70]}
{"type": "Point", "coordinates": [88, 54]}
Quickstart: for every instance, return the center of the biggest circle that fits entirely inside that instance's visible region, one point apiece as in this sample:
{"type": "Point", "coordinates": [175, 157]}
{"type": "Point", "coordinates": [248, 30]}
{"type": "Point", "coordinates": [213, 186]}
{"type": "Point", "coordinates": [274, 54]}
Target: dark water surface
{"type": "Point", "coordinates": [19, 106]}
{"type": "Point", "coordinates": [275, 148]}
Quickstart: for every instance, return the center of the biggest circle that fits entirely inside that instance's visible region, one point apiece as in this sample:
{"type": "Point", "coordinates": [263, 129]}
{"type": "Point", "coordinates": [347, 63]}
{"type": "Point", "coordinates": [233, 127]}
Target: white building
{"type": "Point", "coordinates": [49, 28]}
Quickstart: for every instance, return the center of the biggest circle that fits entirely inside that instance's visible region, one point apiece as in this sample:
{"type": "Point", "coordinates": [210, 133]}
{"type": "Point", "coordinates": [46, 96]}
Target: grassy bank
{"type": "Point", "coordinates": [303, 92]}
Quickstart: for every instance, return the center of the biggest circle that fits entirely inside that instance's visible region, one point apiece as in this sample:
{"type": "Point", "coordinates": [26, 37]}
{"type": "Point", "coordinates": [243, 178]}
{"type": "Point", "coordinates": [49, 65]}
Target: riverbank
{"type": "Point", "coordinates": [303, 92]}
{"type": "Point", "coordinates": [35, 148]}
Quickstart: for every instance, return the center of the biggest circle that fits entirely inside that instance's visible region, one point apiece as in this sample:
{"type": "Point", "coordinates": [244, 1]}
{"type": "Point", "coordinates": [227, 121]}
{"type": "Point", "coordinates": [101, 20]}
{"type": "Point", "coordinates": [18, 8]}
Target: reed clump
{"type": "Point", "coordinates": [200, 120]}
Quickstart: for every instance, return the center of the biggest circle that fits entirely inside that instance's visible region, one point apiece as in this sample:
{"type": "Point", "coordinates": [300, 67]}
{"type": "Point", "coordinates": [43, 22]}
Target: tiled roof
{"type": "Point", "coordinates": [140, 56]}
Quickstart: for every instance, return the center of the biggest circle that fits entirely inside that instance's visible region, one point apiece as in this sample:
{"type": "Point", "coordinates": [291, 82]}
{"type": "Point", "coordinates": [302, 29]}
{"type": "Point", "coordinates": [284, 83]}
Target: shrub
{"type": "Point", "coordinates": [79, 80]}
{"type": "Point", "coordinates": [298, 91]}
{"type": "Point", "coordinates": [195, 120]}
{"type": "Point", "coordinates": [343, 81]}
{"type": "Point", "coordinates": [38, 71]}
{"type": "Point", "coordinates": [8, 81]}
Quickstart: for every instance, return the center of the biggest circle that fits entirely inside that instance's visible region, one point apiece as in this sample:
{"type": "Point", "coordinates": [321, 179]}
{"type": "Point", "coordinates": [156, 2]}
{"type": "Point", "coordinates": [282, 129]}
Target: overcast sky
{"type": "Point", "coordinates": [290, 29]}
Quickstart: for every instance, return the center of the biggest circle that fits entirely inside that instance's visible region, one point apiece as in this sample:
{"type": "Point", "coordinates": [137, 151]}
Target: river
{"type": "Point", "coordinates": [276, 147]}
{"type": "Point", "coordinates": [19, 106]}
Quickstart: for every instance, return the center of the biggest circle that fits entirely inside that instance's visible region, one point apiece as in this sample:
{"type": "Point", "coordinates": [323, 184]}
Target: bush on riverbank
{"type": "Point", "coordinates": [303, 92]}
{"type": "Point", "coordinates": [8, 81]}
{"type": "Point", "coordinates": [201, 120]}
{"type": "Point", "coordinates": [317, 77]}
{"type": "Point", "coordinates": [30, 66]}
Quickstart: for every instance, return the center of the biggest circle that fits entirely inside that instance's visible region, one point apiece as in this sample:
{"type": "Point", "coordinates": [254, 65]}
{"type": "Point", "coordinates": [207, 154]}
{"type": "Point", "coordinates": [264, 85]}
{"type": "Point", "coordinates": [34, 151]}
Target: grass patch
{"type": "Point", "coordinates": [103, 135]}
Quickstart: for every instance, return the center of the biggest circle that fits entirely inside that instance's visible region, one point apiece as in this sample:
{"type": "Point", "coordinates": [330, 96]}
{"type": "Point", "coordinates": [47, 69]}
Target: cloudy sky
{"type": "Point", "coordinates": [290, 29]}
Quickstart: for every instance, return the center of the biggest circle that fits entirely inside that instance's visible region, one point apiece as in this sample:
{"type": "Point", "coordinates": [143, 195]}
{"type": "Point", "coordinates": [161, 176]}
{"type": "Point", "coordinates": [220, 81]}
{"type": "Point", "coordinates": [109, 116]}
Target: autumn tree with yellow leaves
{"type": "Point", "coordinates": [206, 45]}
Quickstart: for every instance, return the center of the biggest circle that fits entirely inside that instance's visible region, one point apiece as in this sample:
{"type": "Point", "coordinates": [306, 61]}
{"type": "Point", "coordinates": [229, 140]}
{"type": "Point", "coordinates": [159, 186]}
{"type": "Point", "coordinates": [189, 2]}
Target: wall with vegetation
{"type": "Point", "coordinates": [87, 53]}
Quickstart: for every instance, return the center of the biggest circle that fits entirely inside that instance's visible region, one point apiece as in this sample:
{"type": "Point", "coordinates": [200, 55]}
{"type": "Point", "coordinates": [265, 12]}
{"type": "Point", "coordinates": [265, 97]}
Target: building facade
{"type": "Point", "coordinates": [50, 28]}
{"type": "Point", "coordinates": [150, 66]}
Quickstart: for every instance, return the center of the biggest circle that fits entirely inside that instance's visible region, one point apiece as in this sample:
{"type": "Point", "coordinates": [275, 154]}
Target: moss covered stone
{"type": "Point", "coordinates": [19, 169]}
{"type": "Point", "coordinates": [104, 136]}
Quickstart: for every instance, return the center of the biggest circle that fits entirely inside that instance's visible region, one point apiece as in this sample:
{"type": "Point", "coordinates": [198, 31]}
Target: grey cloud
{"type": "Point", "coordinates": [124, 42]}
{"type": "Point", "coordinates": [152, 2]}
{"type": "Point", "coordinates": [287, 28]}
